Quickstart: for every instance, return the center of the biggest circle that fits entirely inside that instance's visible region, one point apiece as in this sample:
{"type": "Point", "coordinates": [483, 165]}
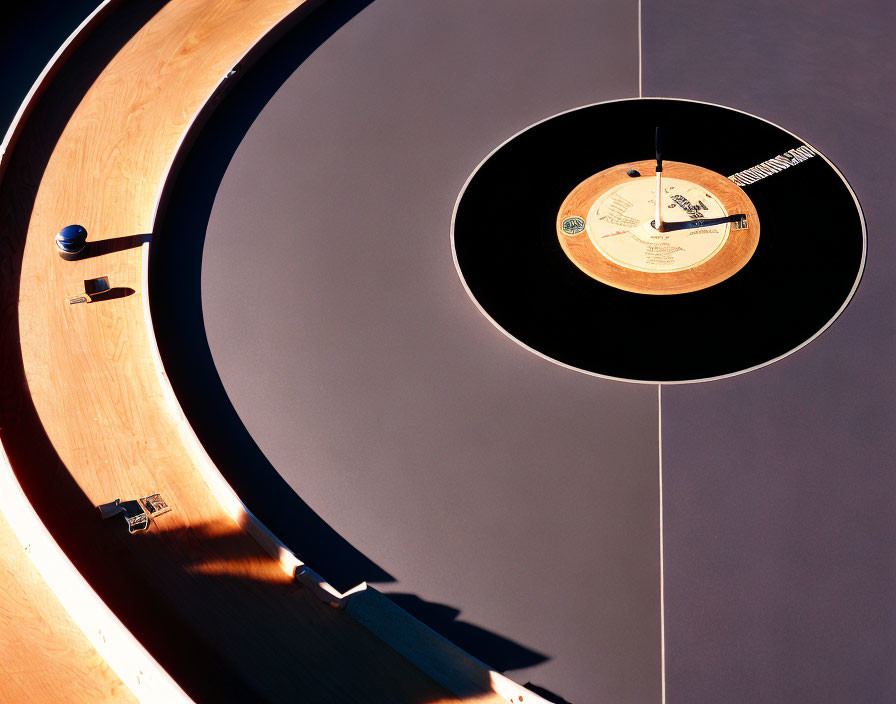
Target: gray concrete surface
{"type": "Point", "coordinates": [484, 479]}
{"type": "Point", "coordinates": [779, 485]}
{"type": "Point", "coordinates": [480, 477]}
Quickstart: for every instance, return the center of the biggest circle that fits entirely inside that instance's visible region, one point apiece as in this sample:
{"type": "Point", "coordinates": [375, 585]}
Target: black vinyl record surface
{"type": "Point", "coordinates": [805, 269]}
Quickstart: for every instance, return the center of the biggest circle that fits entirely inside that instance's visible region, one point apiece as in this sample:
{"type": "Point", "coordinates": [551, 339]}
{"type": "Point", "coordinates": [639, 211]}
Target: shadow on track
{"type": "Point", "coordinates": [176, 304]}
{"type": "Point", "coordinates": [65, 510]}
{"type": "Point", "coordinates": [30, 32]}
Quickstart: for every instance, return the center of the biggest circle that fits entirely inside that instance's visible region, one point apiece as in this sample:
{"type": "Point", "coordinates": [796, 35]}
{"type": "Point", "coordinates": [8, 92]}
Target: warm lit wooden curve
{"type": "Point", "coordinates": [44, 656]}
{"type": "Point", "coordinates": [58, 640]}
{"type": "Point", "coordinates": [104, 424]}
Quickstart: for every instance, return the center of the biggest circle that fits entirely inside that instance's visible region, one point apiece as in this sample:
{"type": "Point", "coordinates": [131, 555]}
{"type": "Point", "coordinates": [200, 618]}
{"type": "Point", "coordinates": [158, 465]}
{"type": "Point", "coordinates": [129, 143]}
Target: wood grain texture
{"type": "Point", "coordinates": [58, 640]}
{"type": "Point", "coordinates": [71, 610]}
{"type": "Point", "coordinates": [86, 420]}
{"type": "Point", "coordinates": [44, 656]}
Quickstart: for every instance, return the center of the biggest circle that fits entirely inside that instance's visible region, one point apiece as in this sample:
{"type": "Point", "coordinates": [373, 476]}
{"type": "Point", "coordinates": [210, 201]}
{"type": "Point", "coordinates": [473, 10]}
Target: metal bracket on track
{"type": "Point", "coordinates": [138, 513]}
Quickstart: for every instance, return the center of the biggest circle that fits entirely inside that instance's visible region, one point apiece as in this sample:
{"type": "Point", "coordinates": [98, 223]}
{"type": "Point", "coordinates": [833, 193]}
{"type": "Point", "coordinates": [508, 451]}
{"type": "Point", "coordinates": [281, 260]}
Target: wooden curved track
{"type": "Point", "coordinates": [43, 654]}
{"type": "Point", "coordinates": [87, 417]}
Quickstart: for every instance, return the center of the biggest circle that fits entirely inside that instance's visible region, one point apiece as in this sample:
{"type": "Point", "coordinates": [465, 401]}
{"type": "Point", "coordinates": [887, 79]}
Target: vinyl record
{"type": "Point", "coordinates": [762, 246]}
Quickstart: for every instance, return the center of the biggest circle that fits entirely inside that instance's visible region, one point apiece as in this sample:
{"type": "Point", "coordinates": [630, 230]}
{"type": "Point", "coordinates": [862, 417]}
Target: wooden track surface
{"type": "Point", "coordinates": [44, 656]}
{"type": "Point", "coordinates": [58, 640]}
{"type": "Point", "coordinates": [85, 419]}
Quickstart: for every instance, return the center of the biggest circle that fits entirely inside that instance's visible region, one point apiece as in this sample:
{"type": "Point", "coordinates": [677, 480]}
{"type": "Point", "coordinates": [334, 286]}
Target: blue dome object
{"type": "Point", "coordinates": [71, 239]}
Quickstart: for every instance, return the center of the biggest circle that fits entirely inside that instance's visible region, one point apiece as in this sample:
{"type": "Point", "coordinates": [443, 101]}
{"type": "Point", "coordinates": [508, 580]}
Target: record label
{"type": "Point", "coordinates": [619, 226]}
{"type": "Point", "coordinates": [695, 249]}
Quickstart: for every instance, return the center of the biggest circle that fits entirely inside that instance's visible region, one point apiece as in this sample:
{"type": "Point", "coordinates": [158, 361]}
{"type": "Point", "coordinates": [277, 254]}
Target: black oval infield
{"type": "Point", "coordinates": [805, 269]}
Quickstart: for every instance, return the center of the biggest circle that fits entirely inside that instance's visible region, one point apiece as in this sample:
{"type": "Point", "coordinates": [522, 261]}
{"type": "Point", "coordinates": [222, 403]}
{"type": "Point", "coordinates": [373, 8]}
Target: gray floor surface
{"type": "Point", "coordinates": [480, 477]}
{"type": "Point", "coordinates": [779, 490]}
{"type": "Point", "coordinates": [524, 495]}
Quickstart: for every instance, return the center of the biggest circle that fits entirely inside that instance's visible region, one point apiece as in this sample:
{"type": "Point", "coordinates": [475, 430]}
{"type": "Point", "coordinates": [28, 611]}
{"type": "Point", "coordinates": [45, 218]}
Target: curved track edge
{"type": "Point", "coordinates": [435, 655]}
{"type": "Point", "coordinates": [112, 640]}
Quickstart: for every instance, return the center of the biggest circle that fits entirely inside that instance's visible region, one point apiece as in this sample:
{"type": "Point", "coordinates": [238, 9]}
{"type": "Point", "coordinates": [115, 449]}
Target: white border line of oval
{"type": "Point", "coordinates": [522, 344]}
